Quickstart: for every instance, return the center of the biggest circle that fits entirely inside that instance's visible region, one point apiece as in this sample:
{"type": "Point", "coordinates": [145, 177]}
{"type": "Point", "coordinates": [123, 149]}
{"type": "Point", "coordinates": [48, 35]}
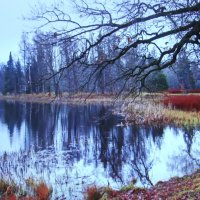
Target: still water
{"type": "Point", "coordinates": [73, 146]}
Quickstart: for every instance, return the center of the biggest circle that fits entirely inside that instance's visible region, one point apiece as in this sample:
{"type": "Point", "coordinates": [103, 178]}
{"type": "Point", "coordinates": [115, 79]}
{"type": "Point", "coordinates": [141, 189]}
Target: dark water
{"type": "Point", "coordinates": [73, 146]}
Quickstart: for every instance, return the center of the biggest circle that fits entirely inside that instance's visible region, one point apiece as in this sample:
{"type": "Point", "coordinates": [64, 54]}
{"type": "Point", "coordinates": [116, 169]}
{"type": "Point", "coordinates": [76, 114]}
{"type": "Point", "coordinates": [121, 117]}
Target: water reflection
{"type": "Point", "coordinates": [72, 146]}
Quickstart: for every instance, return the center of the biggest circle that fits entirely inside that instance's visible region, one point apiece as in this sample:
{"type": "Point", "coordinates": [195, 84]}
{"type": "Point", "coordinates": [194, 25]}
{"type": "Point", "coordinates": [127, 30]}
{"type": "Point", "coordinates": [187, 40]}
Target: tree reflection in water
{"type": "Point", "coordinates": [188, 158]}
{"type": "Point", "coordinates": [71, 146]}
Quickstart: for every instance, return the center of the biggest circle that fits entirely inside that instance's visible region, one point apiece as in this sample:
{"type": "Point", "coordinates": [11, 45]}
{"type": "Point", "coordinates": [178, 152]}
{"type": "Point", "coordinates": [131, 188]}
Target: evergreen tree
{"type": "Point", "coordinates": [1, 79]}
{"type": "Point", "coordinates": [9, 77]}
{"type": "Point", "coordinates": [184, 72]}
{"type": "Point", "coordinates": [196, 75]}
{"type": "Point", "coordinates": [19, 78]}
{"type": "Point", "coordinates": [157, 82]}
{"type": "Point", "coordinates": [161, 82]}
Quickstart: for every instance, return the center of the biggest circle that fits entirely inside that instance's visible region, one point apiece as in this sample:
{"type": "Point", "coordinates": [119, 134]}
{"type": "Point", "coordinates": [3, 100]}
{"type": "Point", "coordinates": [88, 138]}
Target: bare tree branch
{"type": "Point", "coordinates": [142, 26]}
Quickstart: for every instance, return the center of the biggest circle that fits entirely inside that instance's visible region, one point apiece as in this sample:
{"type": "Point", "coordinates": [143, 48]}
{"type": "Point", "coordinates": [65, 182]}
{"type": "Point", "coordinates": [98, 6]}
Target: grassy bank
{"type": "Point", "coordinates": [187, 187]}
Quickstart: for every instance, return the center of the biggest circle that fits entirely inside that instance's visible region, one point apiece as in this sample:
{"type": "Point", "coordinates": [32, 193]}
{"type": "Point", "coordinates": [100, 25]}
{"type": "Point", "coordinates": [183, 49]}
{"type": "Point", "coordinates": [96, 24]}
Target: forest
{"type": "Point", "coordinates": [31, 75]}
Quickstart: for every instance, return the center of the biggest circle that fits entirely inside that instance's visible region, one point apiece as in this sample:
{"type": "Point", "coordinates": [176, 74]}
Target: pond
{"type": "Point", "coordinates": [73, 146]}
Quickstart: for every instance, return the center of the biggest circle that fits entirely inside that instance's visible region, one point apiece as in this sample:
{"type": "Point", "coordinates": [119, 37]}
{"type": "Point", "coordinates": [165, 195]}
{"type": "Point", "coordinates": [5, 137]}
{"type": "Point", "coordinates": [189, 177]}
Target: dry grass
{"type": "Point", "coordinates": [143, 112]}
{"type": "Point", "coordinates": [78, 98]}
{"type": "Point", "coordinates": [183, 117]}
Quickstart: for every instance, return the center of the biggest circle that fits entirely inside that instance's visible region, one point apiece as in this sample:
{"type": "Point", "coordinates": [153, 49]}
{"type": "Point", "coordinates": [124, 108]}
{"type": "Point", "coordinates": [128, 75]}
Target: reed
{"type": "Point", "coordinates": [143, 112]}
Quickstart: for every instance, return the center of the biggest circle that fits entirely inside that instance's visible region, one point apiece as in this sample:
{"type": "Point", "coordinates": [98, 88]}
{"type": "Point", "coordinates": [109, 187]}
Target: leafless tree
{"type": "Point", "coordinates": [165, 27]}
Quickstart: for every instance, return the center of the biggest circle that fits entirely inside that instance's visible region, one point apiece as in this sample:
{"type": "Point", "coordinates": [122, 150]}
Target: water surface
{"type": "Point", "coordinates": [73, 146]}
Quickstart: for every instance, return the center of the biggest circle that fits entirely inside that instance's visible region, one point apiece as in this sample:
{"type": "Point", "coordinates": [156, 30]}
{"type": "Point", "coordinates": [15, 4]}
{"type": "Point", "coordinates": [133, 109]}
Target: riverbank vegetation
{"type": "Point", "coordinates": [181, 110]}
{"type": "Point", "coordinates": [32, 191]}
{"type": "Point", "coordinates": [187, 187]}
{"type": "Point", "coordinates": [147, 109]}
{"type": "Point", "coordinates": [183, 102]}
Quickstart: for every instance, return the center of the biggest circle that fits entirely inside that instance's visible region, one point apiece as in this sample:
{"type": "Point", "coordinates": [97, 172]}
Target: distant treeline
{"type": "Point", "coordinates": [37, 70]}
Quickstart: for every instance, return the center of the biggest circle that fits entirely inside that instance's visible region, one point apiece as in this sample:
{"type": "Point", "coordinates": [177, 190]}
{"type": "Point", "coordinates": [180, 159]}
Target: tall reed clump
{"type": "Point", "coordinates": [144, 112]}
{"type": "Point", "coordinates": [183, 102]}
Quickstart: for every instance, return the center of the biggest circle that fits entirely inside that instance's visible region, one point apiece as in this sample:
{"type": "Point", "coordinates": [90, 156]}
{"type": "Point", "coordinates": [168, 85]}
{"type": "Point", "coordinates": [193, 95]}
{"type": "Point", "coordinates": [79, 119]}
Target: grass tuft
{"type": "Point", "coordinates": [93, 193]}
{"type": "Point", "coordinates": [42, 191]}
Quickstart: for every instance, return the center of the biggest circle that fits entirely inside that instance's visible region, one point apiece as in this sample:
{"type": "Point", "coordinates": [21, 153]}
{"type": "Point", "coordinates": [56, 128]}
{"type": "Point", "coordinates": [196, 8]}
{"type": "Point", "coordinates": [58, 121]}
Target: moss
{"type": "Point", "coordinates": [128, 187]}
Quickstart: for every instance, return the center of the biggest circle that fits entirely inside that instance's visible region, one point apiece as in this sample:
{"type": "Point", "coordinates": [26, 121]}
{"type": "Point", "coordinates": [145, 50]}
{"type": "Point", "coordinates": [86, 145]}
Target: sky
{"type": "Point", "coordinates": [12, 25]}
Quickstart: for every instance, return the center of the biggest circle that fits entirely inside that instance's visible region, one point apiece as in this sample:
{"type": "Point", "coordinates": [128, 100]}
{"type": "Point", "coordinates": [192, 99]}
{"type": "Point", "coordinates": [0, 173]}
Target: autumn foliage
{"type": "Point", "coordinates": [183, 102]}
{"type": "Point", "coordinates": [42, 192]}
{"type": "Point", "coordinates": [10, 192]}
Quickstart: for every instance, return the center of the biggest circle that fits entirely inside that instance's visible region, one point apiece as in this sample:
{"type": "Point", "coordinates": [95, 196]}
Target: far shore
{"type": "Point", "coordinates": [79, 98]}
{"type": "Point", "coordinates": [147, 109]}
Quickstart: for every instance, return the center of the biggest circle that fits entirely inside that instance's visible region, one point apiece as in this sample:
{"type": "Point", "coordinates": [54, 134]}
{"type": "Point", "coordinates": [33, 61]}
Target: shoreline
{"type": "Point", "coordinates": [79, 98]}
{"type": "Point", "coordinates": [185, 187]}
{"type": "Point", "coordinates": [145, 110]}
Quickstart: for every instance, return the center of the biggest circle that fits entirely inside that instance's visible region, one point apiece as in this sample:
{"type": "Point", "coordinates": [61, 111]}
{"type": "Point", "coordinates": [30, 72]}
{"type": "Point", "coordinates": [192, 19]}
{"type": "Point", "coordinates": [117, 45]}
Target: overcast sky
{"type": "Point", "coordinates": [12, 25]}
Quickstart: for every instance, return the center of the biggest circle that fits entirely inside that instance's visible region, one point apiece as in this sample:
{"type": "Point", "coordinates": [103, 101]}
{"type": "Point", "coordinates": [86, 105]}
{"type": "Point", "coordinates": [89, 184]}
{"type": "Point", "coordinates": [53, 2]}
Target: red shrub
{"type": "Point", "coordinates": [194, 91]}
{"type": "Point", "coordinates": [183, 102]}
{"type": "Point", "coordinates": [180, 91]}
{"type": "Point", "coordinates": [11, 197]}
{"type": "Point", "coordinates": [175, 91]}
